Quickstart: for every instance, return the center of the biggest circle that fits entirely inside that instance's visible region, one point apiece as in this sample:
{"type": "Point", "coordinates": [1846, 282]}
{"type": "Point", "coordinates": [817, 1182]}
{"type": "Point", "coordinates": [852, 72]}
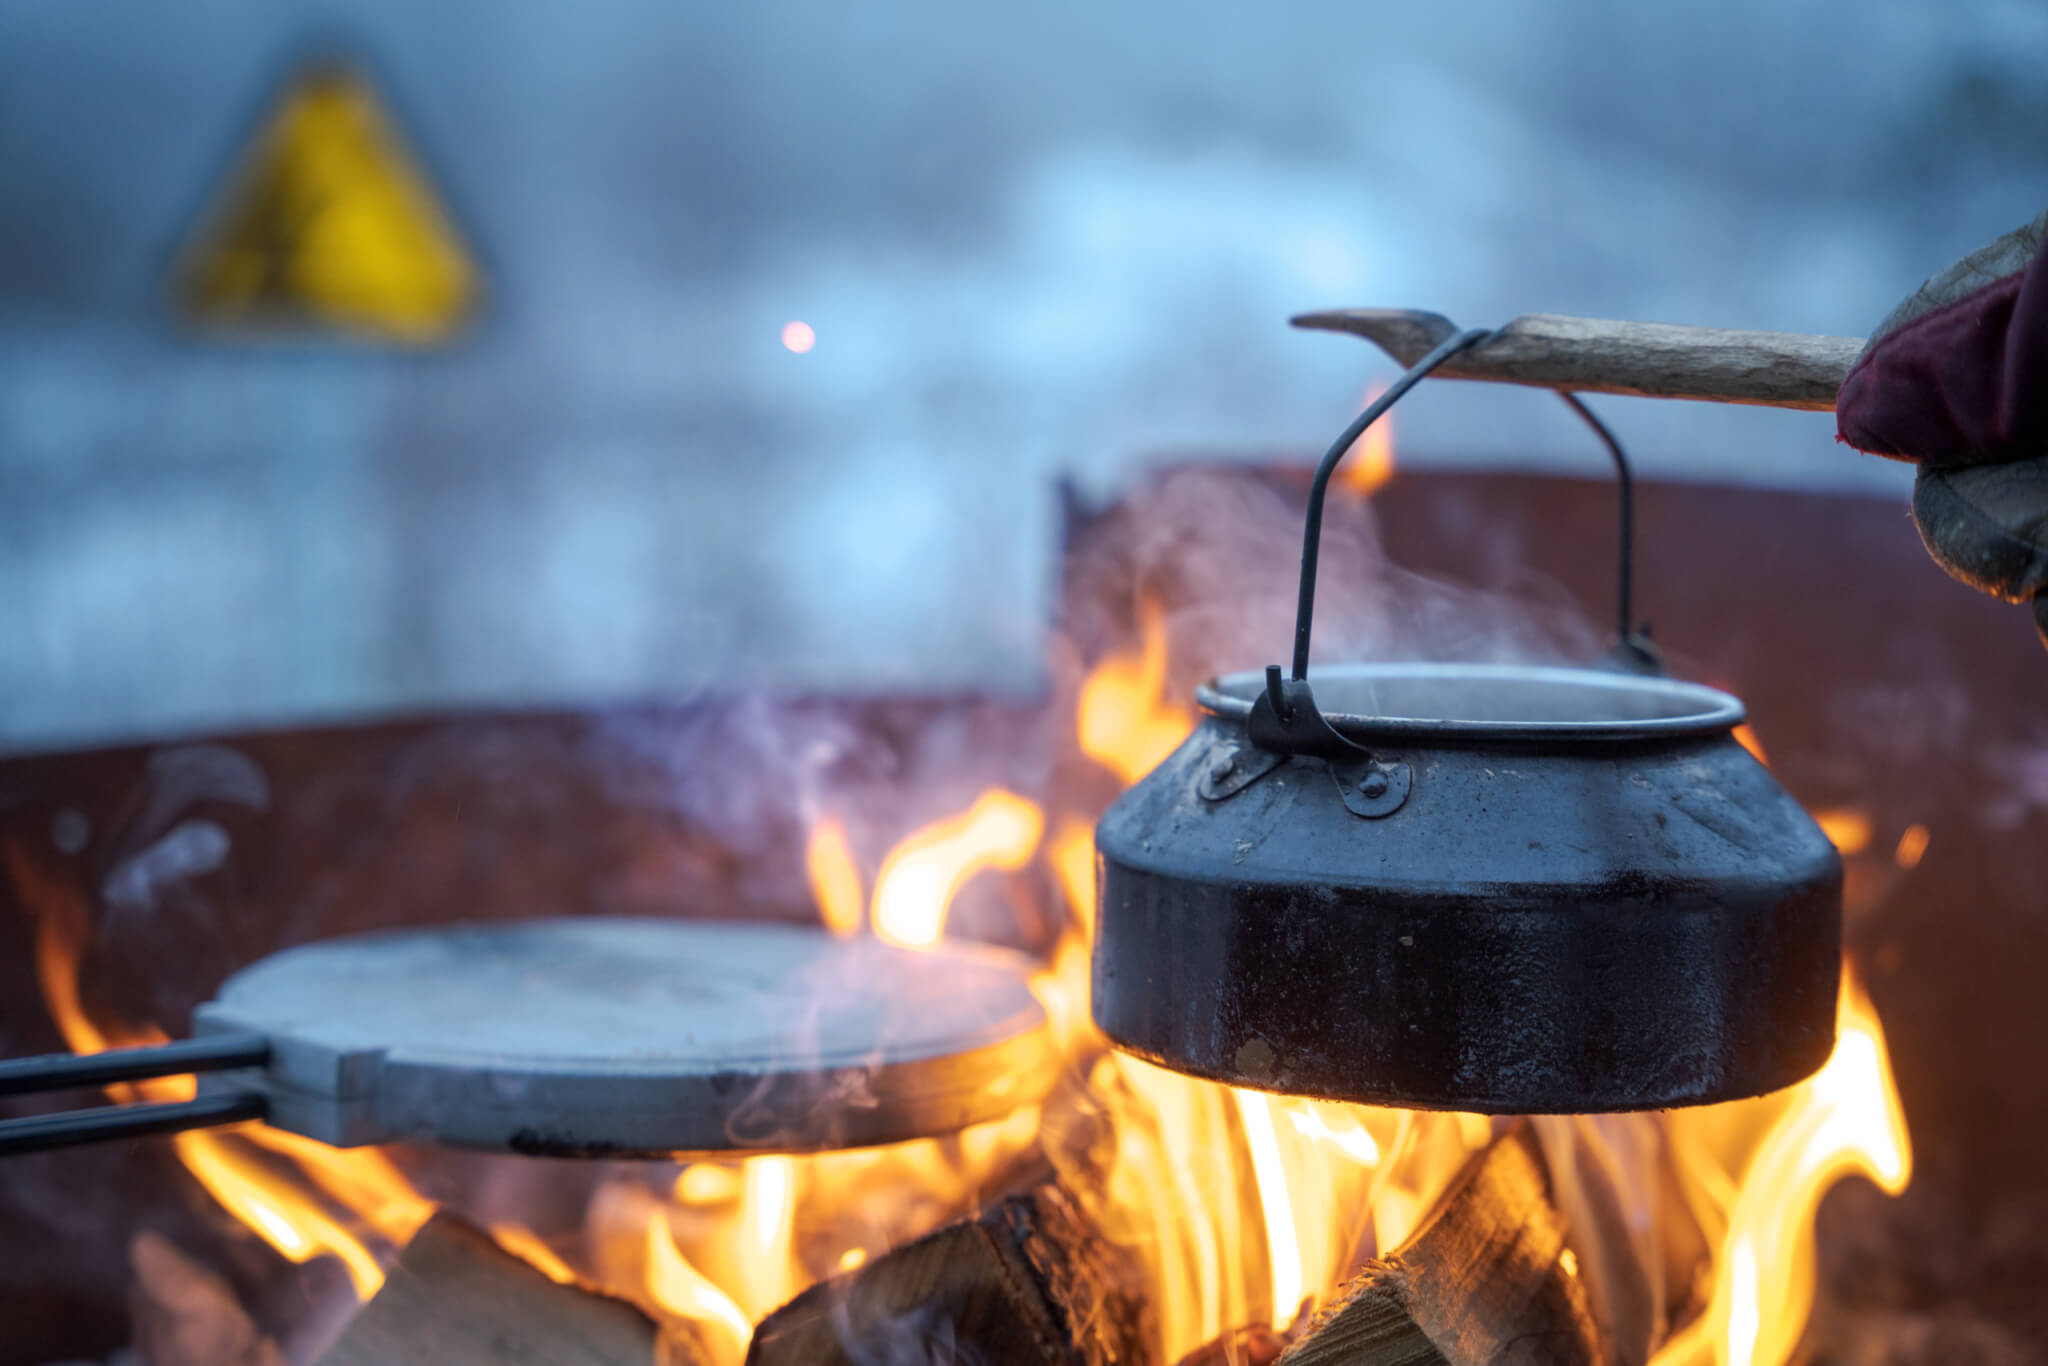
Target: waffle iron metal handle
{"type": "Point", "coordinates": [73, 1071]}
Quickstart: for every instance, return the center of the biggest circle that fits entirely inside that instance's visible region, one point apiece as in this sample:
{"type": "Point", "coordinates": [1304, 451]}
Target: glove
{"type": "Point", "coordinates": [1956, 379]}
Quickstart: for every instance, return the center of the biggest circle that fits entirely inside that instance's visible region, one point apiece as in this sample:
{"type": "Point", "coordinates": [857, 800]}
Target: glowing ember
{"type": "Point", "coordinates": [1123, 720]}
{"type": "Point", "coordinates": [920, 877]}
{"type": "Point", "coordinates": [798, 336]}
{"type": "Point", "coordinates": [1370, 462]}
{"type": "Point", "coordinates": [835, 877]}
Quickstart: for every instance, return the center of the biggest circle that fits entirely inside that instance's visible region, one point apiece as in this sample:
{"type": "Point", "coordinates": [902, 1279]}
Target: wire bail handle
{"type": "Point", "coordinates": [1285, 716]}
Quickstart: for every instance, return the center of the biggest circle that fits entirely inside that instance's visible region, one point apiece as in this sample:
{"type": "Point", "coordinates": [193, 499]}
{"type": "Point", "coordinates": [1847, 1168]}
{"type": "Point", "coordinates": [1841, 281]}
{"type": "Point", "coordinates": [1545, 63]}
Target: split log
{"type": "Point", "coordinates": [1025, 1284]}
{"type": "Point", "coordinates": [1596, 356]}
{"type": "Point", "coordinates": [1484, 1279]}
{"type": "Point", "coordinates": [455, 1298]}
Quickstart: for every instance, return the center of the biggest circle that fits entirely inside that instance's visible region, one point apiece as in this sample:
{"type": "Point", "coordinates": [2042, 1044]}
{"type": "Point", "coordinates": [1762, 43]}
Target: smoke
{"type": "Point", "coordinates": [188, 849]}
{"type": "Point", "coordinates": [1220, 549]}
{"type": "Point", "coordinates": [2018, 791]}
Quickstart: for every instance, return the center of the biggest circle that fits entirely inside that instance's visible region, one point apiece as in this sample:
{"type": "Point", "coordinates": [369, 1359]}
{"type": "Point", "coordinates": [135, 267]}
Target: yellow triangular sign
{"type": "Point", "coordinates": [328, 224]}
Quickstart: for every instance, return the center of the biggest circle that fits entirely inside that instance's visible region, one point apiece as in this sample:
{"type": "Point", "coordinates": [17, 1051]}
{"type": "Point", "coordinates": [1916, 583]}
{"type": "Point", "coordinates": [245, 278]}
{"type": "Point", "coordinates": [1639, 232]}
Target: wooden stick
{"type": "Point", "coordinates": [1596, 356]}
{"type": "Point", "coordinates": [1025, 1284]}
{"type": "Point", "coordinates": [455, 1298]}
{"type": "Point", "coordinates": [1483, 1280]}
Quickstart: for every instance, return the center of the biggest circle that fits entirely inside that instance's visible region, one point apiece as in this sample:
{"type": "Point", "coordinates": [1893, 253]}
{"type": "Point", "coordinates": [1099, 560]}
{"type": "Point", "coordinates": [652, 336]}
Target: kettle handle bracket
{"type": "Point", "coordinates": [1633, 653]}
{"type": "Point", "coordinates": [1286, 720]}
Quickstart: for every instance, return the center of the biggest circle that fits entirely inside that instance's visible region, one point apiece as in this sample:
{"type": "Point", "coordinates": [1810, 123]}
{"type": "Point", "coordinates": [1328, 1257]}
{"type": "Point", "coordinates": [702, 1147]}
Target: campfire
{"type": "Point", "coordinates": [1133, 1215]}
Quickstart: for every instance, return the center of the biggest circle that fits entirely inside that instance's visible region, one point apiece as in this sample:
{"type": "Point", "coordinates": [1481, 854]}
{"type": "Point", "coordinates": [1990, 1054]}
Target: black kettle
{"type": "Point", "coordinates": [1484, 888]}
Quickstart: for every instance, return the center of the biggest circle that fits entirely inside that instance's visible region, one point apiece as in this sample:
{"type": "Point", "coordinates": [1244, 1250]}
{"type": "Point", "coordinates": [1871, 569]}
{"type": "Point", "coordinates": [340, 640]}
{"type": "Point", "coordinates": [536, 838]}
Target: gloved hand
{"type": "Point", "coordinates": [1956, 379]}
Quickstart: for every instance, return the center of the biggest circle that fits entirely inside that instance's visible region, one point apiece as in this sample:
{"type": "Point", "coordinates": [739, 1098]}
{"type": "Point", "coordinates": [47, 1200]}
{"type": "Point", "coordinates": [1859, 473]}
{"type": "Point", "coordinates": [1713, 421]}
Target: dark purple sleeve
{"type": "Point", "coordinates": [1963, 383]}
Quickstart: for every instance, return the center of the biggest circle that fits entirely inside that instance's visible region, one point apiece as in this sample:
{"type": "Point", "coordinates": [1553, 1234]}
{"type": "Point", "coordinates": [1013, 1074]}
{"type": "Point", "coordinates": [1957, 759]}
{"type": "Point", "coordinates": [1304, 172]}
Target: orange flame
{"type": "Point", "coordinates": [766, 1275]}
{"type": "Point", "coordinates": [835, 877]}
{"type": "Point", "coordinates": [1072, 851]}
{"type": "Point", "coordinates": [1222, 1251]}
{"type": "Point", "coordinates": [1283, 1243]}
{"type": "Point", "coordinates": [915, 889]}
{"type": "Point", "coordinates": [1847, 828]}
{"type": "Point", "coordinates": [230, 1164]}
{"type": "Point", "coordinates": [308, 1200]}
{"type": "Point", "coordinates": [688, 1293]}
{"type": "Point", "coordinates": [1172, 1191]}
{"type": "Point", "coordinates": [1122, 719]}
{"type": "Point", "coordinates": [361, 1180]}
{"type": "Point", "coordinates": [1243, 1206]}
{"type": "Point", "coordinates": [1369, 464]}
{"type": "Point", "coordinates": [528, 1247]}
{"type": "Point", "coordinates": [1746, 737]}
{"type": "Point", "coordinates": [1354, 1140]}
{"type": "Point", "coordinates": [278, 1211]}
{"type": "Point", "coordinates": [1844, 1120]}
{"type": "Point", "coordinates": [1912, 847]}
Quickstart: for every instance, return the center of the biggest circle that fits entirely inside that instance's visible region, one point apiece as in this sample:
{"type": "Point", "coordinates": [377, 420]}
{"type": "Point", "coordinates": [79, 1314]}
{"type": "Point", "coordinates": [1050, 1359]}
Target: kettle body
{"type": "Point", "coordinates": [1583, 895]}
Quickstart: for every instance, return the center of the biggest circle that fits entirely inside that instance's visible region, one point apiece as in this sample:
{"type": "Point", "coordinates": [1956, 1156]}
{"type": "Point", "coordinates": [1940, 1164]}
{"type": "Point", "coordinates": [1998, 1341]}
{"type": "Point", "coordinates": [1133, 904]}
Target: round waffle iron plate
{"type": "Point", "coordinates": [603, 1037]}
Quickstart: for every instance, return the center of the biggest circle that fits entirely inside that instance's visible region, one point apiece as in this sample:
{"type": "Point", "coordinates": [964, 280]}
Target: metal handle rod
{"type": "Point", "coordinates": [1312, 536]}
{"type": "Point", "coordinates": [69, 1071]}
{"type": "Point", "coordinates": [36, 1133]}
{"type": "Point", "coordinates": [1625, 478]}
{"type": "Point", "coordinates": [1311, 541]}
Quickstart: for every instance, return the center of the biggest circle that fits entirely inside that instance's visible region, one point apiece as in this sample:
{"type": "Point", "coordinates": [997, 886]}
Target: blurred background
{"type": "Point", "coordinates": [1026, 244]}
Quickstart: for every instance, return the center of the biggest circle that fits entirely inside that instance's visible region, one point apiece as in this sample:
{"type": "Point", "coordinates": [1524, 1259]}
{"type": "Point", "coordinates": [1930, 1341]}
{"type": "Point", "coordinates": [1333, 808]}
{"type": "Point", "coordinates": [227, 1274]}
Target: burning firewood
{"type": "Point", "coordinates": [455, 1298]}
{"type": "Point", "coordinates": [1485, 1279]}
{"type": "Point", "coordinates": [1025, 1284]}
